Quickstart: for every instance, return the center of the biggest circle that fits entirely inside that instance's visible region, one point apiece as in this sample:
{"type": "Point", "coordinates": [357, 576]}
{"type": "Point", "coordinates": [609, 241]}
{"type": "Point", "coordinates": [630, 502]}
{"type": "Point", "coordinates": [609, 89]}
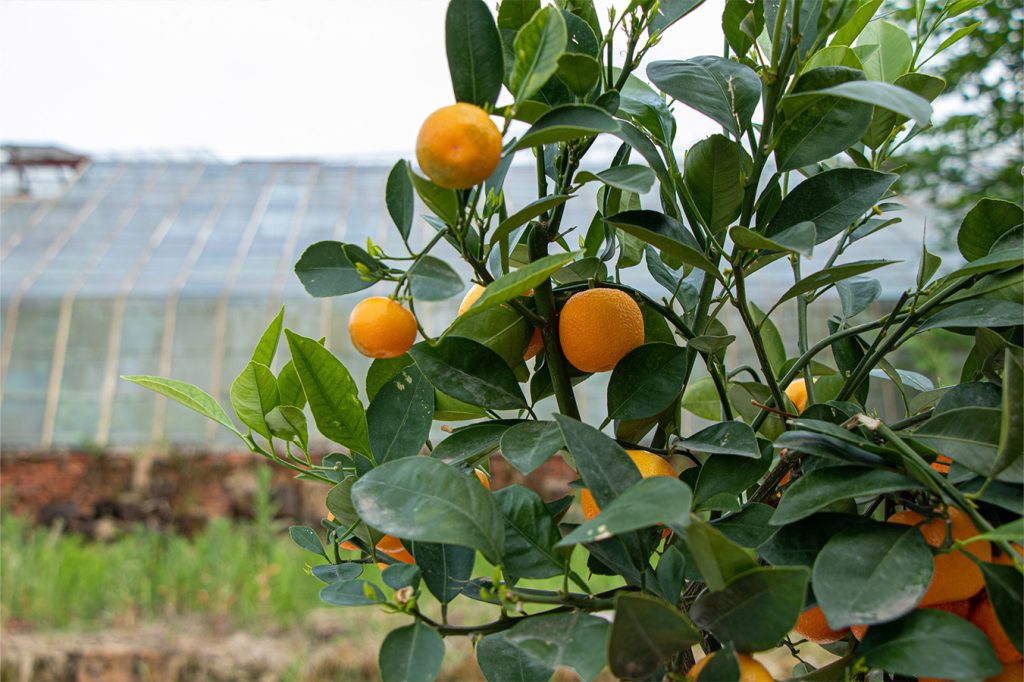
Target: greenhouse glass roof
{"type": "Point", "coordinates": [174, 268]}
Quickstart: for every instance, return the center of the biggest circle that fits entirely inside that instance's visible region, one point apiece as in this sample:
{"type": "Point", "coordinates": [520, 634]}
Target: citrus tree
{"type": "Point", "coordinates": [801, 513]}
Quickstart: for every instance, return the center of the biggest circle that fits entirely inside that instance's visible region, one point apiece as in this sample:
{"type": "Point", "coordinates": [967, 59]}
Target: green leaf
{"type": "Point", "coordinates": [646, 632]}
{"type": "Point", "coordinates": [470, 444]}
{"type": "Point", "coordinates": [333, 573]}
{"type": "Point", "coordinates": [289, 387]}
{"type": "Point", "coordinates": [931, 643]}
{"type": "Point", "coordinates": [188, 395]}
{"type": "Point", "coordinates": [423, 499]}
{"type": "Point", "coordinates": [756, 609]}
{"type": "Point", "coordinates": [470, 372]}
{"type": "Point", "coordinates": [639, 101]}
{"type": "Point", "coordinates": [475, 58]}
{"type": "Point", "coordinates": [289, 422]}
{"type": "Point", "coordinates": [333, 395]}
{"type": "Point", "coordinates": [799, 238]}
{"type": "Point", "coordinates": [432, 279]}
{"type": "Point", "coordinates": [412, 653]}
{"type": "Point", "coordinates": [849, 31]}
{"type": "Point", "coordinates": [328, 269]}
{"type": "Point", "coordinates": [666, 234]}
{"type": "Point", "coordinates": [339, 503]}
{"type": "Point", "coordinates": [817, 489]}
{"type": "Point", "coordinates": [701, 398]}
{"type": "Point", "coordinates": [398, 196]}
{"type": "Point", "coordinates": [718, 558]}
{"type": "Point", "coordinates": [531, 534]}
{"type": "Point", "coordinates": [579, 72]}
{"type": "Point", "coordinates": [748, 527]}
{"type": "Point", "coordinates": [817, 127]}
{"type": "Point", "coordinates": [884, 95]}
{"type": "Point", "coordinates": [1011, 429]}
{"type": "Point", "coordinates": [654, 500]}
{"type": "Point", "coordinates": [980, 312]}
{"type": "Point", "coordinates": [1003, 586]}
{"type": "Point", "coordinates": [723, 90]}
{"type": "Point", "coordinates": [602, 463]}
{"type": "Point", "coordinates": [502, 329]}
{"type": "Point", "coordinates": [728, 474]}
{"type": "Point", "coordinates": [967, 435]}
{"type": "Point", "coordinates": [646, 381]}
{"type": "Point", "coordinates": [352, 593]}
{"type": "Point", "coordinates": [446, 568]}
{"type": "Point", "coordinates": [518, 282]}
{"type": "Point", "coordinates": [537, 47]}
{"type": "Point", "coordinates": [722, 666]}
{"type": "Point", "coordinates": [399, 416]}
{"type": "Point", "coordinates": [883, 121]}
{"type": "Point", "coordinates": [832, 200]}
{"type": "Point", "coordinates": [397, 576]}
{"type": "Point", "coordinates": [444, 203]}
{"type": "Point", "coordinates": [857, 293]}
{"type": "Point", "coordinates": [526, 214]}
{"type": "Point", "coordinates": [894, 54]}
{"type": "Point", "coordinates": [567, 122]}
{"type": "Point", "coordinates": [628, 177]}
{"type": "Point", "coordinates": [671, 11]}
{"type": "Point", "coordinates": [774, 346]}
{"type": "Point", "coordinates": [267, 345]}
{"type": "Point", "coordinates": [872, 574]}
{"type": "Point", "coordinates": [799, 543]}
{"type": "Point", "coordinates": [957, 35]}
{"type": "Point", "coordinates": [742, 22]}
{"type": "Point", "coordinates": [513, 14]}
{"type": "Point", "coordinates": [713, 172]}
{"type": "Point", "coordinates": [501, 661]}
{"type": "Point", "coordinates": [828, 276]}
{"type": "Point", "coordinates": [725, 438]}
{"type": "Point", "coordinates": [572, 640]}
{"type": "Point", "coordinates": [529, 444]}
{"type": "Point", "coordinates": [307, 539]}
{"type": "Point", "coordinates": [835, 55]}
{"type": "Point", "coordinates": [988, 220]}
{"type": "Point", "coordinates": [254, 394]}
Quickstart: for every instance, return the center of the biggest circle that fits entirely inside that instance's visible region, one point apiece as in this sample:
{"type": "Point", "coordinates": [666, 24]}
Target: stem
{"type": "Point", "coordinates": [755, 337]}
{"type": "Point", "coordinates": [801, 315]}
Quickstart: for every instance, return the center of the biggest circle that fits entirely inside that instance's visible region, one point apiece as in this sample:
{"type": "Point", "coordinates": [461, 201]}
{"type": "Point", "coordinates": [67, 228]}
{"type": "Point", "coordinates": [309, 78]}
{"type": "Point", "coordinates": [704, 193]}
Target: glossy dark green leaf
{"type": "Point", "coordinates": [579, 72]}
{"type": "Point", "coordinates": [526, 214]}
{"type": "Point", "coordinates": [443, 202]}
{"type": "Point", "coordinates": [473, 45]}
{"type": "Point", "coordinates": [883, 121]}
{"type": "Point", "coordinates": [332, 573]}
{"type": "Point", "coordinates": [469, 371]}
{"type": "Point", "coordinates": [756, 609]}
{"type": "Point", "coordinates": [398, 196]}
{"type": "Point", "coordinates": [518, 282]}
{"type": "Point", "coordinates": [931, 643]}
{"type": "Point", "coordinates": [567, 122]}
{"type": "Point", "coordinates": [723, 90]}
{"type": "Point", "coordinates": [399, 416]}
{"type": "Point", "coordinates": [351, 593]}
{"type": "Point", "coordinates": [724, 438]}
{"type": "Point", "coordinates": [654, 500]}
{"type": "Point", "coordinates": [470, 444]}
{"type": "Point", "coordinates": [872, 574]}
{"type": "Point", "coordinates": [646, 381]}
{"type": "Point", "coordinates": [339, 503]}
{"type": "Point", "coordinates": [307, 539]}
{"type": "Point", "coordinates": [629, 177]}
{"type": "Point", "coordinates": [817, 489]}
{"type": "Point", "coordinates": [501, 328]}
{"type": "Point", "coordinates": [602, 463]}
{"type": "Point", "coordinates": [968, 436]}
{"type": "Point", "coordinates": [1011, 428]}
{"type": "Point", "coordinates": [513, 14]}
{"type": "Point", "coordinates": [397, 576]}
{"type": "Point", "coordinates": [531, 443]}
{"type": "Point", "coordinates": [432, 279]}
{"type": "Point", "coordinates": [421, 498]}
{"type": "Point", "coordinates": [988, 220]}
{"type": "Point", "coordinates": [748, 527]}
{"type": "Point", "coordinates": [799, 542]}
{"type": "Point", "coordinates": [832, 200]}
{"type": "Point", "coordinates": [982, 312]}
{"type": "Point", "coordinates": [799, 238]}
{"type": "Point", "coordinates": [646, 632]}
{"type": "Point", "coordinates": [537, 47]}
{"type": "Point", "coordinates": [1004, 588]}
{"type": "Point", "coordinates": [446, 568]}
{"type": "Point", "coordinates": [727, 474]}
{"type": "Point", "coordinates": [742, 22]}
{"type": "Point", "coordinates": [531, 534]}
{"type": "Point", "coordinates": [849, 31]}
{"type": "Point", "coordinates": [671, 11]}
{"type": "Point", "coordinates": [836, 273]}
{"type": "Point", "coordinates": [723, 666]}
{"type": "Point", "coordinates": [502, 661]}
{"type": "Point", "coordinates": [671, 572]}
{"type": "Point", "coordinates": [665, 234]}
{"type": "Point", "coordinates": [857, 293]}
{"type": "Point", "coordinates": [718, 558]}
{"type": "Point", "coordinates": [328, 268]}
{"type": "Point", "coordinates": [333, 395]}
{"type": "Point", "coordinates": [883, 95]}
{"type": "Point", "coordinates": [713, 171]}
{"type": "Point", "coordinates": [646, 106]}
{"type": "Point", "coordinates": [573, 640]}
{"type": "Point", "coordinates": [253, 395]}
{"type": "Point", "coordinates": [412, 653]}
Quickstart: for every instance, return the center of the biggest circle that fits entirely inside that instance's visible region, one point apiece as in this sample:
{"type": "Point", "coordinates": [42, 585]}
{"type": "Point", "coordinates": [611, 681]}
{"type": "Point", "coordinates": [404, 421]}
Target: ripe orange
{"type": "Point", "coordinates": [812, 625]}
{"type": "Point", "coordinates": [649, 465]}
{"type": "Point", "coordinates": [458, 146]}
{"type": "Point", "coordinates": [598, 327]}
{"type": "Point", "coordinates": [984, 617]}
{"type": "Point", "coordinates": [750, 669]}
{"type": "Point", "coordinates": [1012, 672]}
{"type": "Point", "coordinates": [381, 328]}
{"type": "Point", "coordinates": [389, 545]}
{"type": "Point", "coordinates": [955, 575]}
{"type": "Point", "coordinates": [535, 345]}
{"type": "Point", "coordinates": [960, 608]}
{"type": "Point", "coordinates": [483, 478]}
{"type": "Point", "coordinates": [797, 392]}
{"type": "Point", "coordinates": [941, 464]}
{"type": "Point", "coordinates": [1004, 558]}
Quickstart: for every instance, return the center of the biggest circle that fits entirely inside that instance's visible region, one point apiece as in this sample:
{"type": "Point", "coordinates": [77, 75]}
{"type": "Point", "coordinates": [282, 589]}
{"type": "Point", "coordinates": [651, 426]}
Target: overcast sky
{"type": "Point", "coordinates": [247, 79]}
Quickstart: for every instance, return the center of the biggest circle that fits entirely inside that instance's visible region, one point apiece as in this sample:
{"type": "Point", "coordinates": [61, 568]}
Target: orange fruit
{"type": "Point", "coordinates": [812, 625]}
{"type": "Point", "coordinates": [1004, 558]}
{"type": "Point", "coordinates": [458, 146]}
{"type": "Point", "coordinates": [1012, 672]}
{"type": "Point", "coordinates": [649, 465]}
{"type": "Point", "coordinates": [960, 608]}
{"type": "Point", "coordinates": [984, 617]}
{"type": "Point", "coordinates": [598, 327]}
{"type": "Point", "coordinates": [941, 464]}
{"type": "Point", "coordinates": [859, 631]}
{"type": "Point", "coordinates": [389, 545]}
{"type": "Point", "coordinates": [535, 345]}
{"type": "Point", "coordinates": [471, 296]}
{"type": "Point", "coordinates": [955, 575]}
{"type": "Point", "coordinates": [797, 392]}
{"type": "Point", "coordinates": [483, 478]}
{"type": "Point", "coordinates": [750, 669]}
{"type": "Point", "coordinates": [381, 328]}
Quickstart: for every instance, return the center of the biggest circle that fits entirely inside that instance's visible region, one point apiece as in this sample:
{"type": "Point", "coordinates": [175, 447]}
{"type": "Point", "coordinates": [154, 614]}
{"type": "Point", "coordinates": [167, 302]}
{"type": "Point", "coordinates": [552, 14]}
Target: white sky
{"type": "Point", "coordinates": [245, 79]}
